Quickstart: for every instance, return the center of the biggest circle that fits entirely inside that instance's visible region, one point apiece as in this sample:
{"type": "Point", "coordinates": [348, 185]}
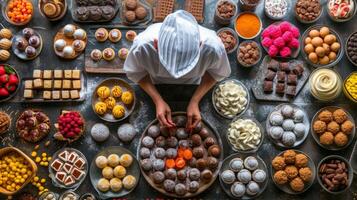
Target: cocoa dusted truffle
{"type": "Point", "coordinates": [196, 140]}
{"type": "Point", "coordinates": [146, 164]}
{"type": "Point", "coordinates": [145, 152]}
{"type": "Point", "coordinates": [201, 163]}
{"type": "Point", "coordinates": [180, 189]}
{"type": "Point", "coordinates": [204, 133]}
{"type": "Point", "coordinates": [148, 142]}
{"type": "Point", "coordinates": [214, 150]}
{"type": "Point", "coordinates": [170, 174]}
{"type": "Point", "coordinates": [171, 142]}
{"type": "Point", "coordinates": [154, 131]}
{"type": "Point", "coordinates": [171, 153]}
{"type": "Point", "coordinates": [169, 185]}
{"type": "Point", "coordinates": [158, 177]}
{"type": "Point", "coordinates": [209, 142]}
{"type": "Point", "coordinates": [160, 141]}
{"type": "Point", "coordinates": [182, 174]}
{"type": "Point", "coordinates": [193, 186]}
{"type": "Point", "coordinates": [160, 152]}
{"type": "Point", "coordinates": [212, 162]}
{"type": "Point", "coordinates": [158, 165]}
{"type": "Point", "coordinates": [198, 152]}
{"type": "Point", "coordinates": [194, 174]}
{"type": "Point", "coordinates": [207, 175]}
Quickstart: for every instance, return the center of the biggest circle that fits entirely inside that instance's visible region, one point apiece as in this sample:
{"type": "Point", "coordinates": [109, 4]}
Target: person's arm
{"type": "Point", "coordinates": [163, 111]}
{"type": "Point", "coordinates": [193, 110]}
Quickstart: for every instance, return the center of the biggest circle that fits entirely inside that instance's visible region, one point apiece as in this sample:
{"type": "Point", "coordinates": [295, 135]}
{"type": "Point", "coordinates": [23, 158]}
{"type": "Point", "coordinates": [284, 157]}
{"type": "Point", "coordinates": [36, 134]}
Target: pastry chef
{"type": "Point", "coordinates": [177, 51]}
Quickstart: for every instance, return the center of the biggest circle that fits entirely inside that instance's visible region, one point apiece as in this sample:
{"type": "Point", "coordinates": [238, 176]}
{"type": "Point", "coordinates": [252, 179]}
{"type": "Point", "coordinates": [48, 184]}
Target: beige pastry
{"type": "Point", "coordinates": [114, 35]}
{"type": "Point", "coordinates": [5, 43]}
{"type": "Point", "coordinates": [4, 55]}
{"type": "Point", "coordinates": [101, 34]}
{"type": "Point", "coordinates": [130, 35]}
{"type": "Point", "coordinates": [5, 33]}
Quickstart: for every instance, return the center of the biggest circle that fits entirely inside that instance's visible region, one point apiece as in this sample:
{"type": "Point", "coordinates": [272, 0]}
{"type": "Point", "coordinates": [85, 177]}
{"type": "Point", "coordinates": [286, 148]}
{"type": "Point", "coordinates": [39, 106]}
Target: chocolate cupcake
{"type": "Point", "coordinates": [82, 13]}
{"type": "Point", "coordinates": [108, 12]}
{"type": "Point", "coordinates": [95, 13]}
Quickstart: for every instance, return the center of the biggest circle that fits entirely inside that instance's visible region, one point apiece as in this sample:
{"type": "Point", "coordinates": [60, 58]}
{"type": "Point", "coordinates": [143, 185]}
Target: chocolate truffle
{"type": "Point", "coordinates": [287, 111]}
{"type": "Point", "coordinates": [28, 32]}
{"type": "Point", "coordinates": [206, 175]}
{"type": "Point", "coordinates": [201, 163]}
{"type": "Point", "coordinates": [159, 152]}
{"type": "Point", "coordinates": [228, 176]}
{"type": "Point", "coordinates": [171, 142]}
{"type": "Point", "coordinates": [198, 152]}
{"type": "Point", "coordinates": [158, 177]}
{"type": "Point", "coordinates": [169, 185]}
{"type": "Point", "coordinates": [145, 152]}
{"type": "Point", "coordinates": [158, 165]}
{"type": "Point", "coordinates": [214, 150]}
{"type": "Point", "coordinates": [198, 128]}
{"type": "Point", "coordinates": [130, 16]}
{"type": "Point", "coordinates": [21, 43]}
{"type": "Point", "coordinates": [180, 189]}
{"type": "Point", "coordinates": [288, 125]}
{"type": "Point", "coordinates": [140, 12]}
{"type": "Point", "coordinates": [288, 138]}
{"type": "Point", "coordinates": [193, 186]}
{"type": "Point", "coordinates": [192, 162]}
{"type": "Point", "coordinates": [30, 51]}
{"type": "Point", "coordinates": [160, 141]}
{"type": "Point", "coordinates": [182, 174]}
{"type": "Point", "coordinates": [148, 142]}
{"type": "Point", "coordinates": [154, 131]}
{"type": "Point", "coordinates": [212, 162]}
{"type": "Point", "coordinates": [194, 174]}
{"type": "Point", "coordinates": [180, 121]}
{"type": "Point", "coordinates": [181, 133]}
{"type": "Point", "coordinates": [276, 132]}
{"type": "Point", "coordinates": [34, 41]}
{"type": "Point", "coordinates": [146, 164]}
{"type": "Point", "coordinates": [209, 142]}
{"type": "Point", "coordinates": [170, 174]}
{"type": "Point", "coordinates": [196, 140]}
{"type": "Point", "coordinates": [171, 153]}
{"type": "Point", "coordinates": [204, 133]}
{"type": "Point", "coordinates": [185, 143]}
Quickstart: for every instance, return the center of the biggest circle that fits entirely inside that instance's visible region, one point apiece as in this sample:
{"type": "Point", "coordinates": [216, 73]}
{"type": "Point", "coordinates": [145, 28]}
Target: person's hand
{"type": "Point", "coordinates": [193, 115]}
{"type": "Point", "coordinates": [163, 114]}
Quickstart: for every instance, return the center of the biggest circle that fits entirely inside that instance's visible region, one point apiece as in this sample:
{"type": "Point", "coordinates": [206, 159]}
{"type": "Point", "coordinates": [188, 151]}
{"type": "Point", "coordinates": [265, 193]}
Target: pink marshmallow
{"type": "Point", "coordinates": [274, 31]}
{"type": "Point", "coordinates": [287, 36]}
{"type": "Point", "coordinates": [267, 42]}
{"type": "Point", "coordinates": [273, 51]}
{"type": "Point", "coordinates": [279, 42]}
{"type": "Point", "coordinates": [285, 52]}
{"type": "Point", "coordinates": [294, 43]}
{"type": "Point", "coordinates": [295, 31]}
{"type": "Point", "coordinates": [285, 26]}
{"type": "Point", "coordinates": [266, 33]}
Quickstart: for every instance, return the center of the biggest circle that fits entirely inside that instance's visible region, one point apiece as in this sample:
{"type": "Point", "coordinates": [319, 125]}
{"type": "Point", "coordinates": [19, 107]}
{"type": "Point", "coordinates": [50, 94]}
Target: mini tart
{"type": "Point", "coordinates": [101, 34]}
{"type": "Point", "coordinates": [108, 54]}
{"type": "Point", "coordinates": [115, 35]}
{"type": "Point", "coordinates": [96, 55]}
{"type": "Point", "coordinates": [123, 53]}
{"type": "Point", "coordinates": [78, 45]}
{"type": "Point", "coordinates": [130, 35]}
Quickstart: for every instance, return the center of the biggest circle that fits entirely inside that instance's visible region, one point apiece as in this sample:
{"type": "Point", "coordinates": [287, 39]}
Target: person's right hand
{"type": "Point", "coordinates": [163, 114]}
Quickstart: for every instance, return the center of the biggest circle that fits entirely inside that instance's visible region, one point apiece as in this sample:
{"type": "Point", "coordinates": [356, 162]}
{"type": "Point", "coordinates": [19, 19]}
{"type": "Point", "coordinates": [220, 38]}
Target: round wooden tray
{"type": "Point", "coordinates": [96, 173]}
{"type": "Point", "coordinates": [60, 35]}
{"type": "Point", "coordinates": [21, 54]}
{"type": "Point", "coordinates": [203, 187]}
{"type": "Point", "coordinates": [110, 82]}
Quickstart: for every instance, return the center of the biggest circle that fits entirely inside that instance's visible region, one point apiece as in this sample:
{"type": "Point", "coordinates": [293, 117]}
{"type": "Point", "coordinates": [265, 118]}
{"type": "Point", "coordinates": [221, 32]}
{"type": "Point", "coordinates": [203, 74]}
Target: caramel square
{"type": "Point", "coordinates": [37, 73]}
{"type": "Point", "coordinates": [57, 84]}
{"type": "Point", "coordinates": [76, 84]}
{"type": "Point", "coordinates": [28, 84]}
{"type": "Point", "coordinates": [47, 84]}
{"type": "Point", "coordinates": [38, 83]}
{"type": "Point", "coordinates": [56, 94]}
{"type": "Point", "coordinates": [74, 94]}
{"type": "Point", "coordinates": [28, 94]}
{"type": "Point", "coordinates": [76, 74]}
{"type": "Point", "coordinates": [58, 74]}
{"type": "Point", "coordinates": [46, 94]}
{"type": "Point", "coordinates": [66, 84]}
{"type": "Point", "coordinates": [68, 74]}
{"type": "Point", "coordinates": [65, 94]}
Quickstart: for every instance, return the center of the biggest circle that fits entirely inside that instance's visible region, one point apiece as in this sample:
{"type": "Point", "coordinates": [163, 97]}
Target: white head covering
{"type": "Point", "coordinates": [179, 43]}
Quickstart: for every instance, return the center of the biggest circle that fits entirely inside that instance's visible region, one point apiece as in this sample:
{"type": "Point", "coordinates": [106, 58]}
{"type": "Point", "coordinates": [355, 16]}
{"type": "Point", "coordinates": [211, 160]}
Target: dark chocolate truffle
{"type": "Point", "coordinates": [214, 150]}
{"type": "Point", "coordinates": [196, 140]}
{"type": "Point", "coordinates": [21, 43]}
{"type": "Point", "coordinates": [204, 133]}
{"type": "Point", "coordinates": [34, 41]}
{"type": "Point", "coordinates": [164, 131]}
{"type": "Point", "coordinates": [198, 128]}
{"type": "Point", "coordinates": [171, 141]}
{"type": "Point", "coordinates": [198, 152]}
{"type": "Point", "coordinates": [209, 142]}
{"type": "Point", "coordinates": [212, 162]}
{"type": "Point", "coordinates": [185, 143]}
{"type": "Point", "coordinates": [30, 51]}
{"type": "Point", "coordinates": [158, 177]}
{"type": "Point", "coordinates": [201, 163]}
{"type": "Point", "coordinates": [170, 174]}
{"type": "Point", "coordinates": [192, 162]}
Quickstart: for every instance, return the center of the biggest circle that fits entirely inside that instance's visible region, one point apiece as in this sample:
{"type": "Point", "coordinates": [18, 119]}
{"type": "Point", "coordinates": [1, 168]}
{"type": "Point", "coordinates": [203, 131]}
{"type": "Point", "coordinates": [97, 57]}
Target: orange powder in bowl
{"type": "Point", "coordinates": [248, 25]}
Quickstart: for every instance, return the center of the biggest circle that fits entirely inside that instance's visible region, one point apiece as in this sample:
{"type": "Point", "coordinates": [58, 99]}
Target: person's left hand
{"type": "Point", "coordinates": [193, 115]}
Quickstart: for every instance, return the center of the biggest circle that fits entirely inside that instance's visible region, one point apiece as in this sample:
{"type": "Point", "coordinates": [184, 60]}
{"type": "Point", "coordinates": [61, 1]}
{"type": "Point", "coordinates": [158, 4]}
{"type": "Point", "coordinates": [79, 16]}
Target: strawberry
{"type": "Point", "coordinates": [13, 79]}
{"type": "Point", "coordinates": [4, 78]}
{"type": "Point", "coordinates": [2, 70]}
{"type": "Point", "coordinates": [4, 92]}
{"type": "Point", "coordinates": [9, 87]}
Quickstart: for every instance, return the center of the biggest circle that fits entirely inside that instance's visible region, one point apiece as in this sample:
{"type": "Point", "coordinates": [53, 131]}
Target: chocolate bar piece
{"type": "Point", "coordinates": [284, 66]}
{"type": "Point", "coordinates": [162, 9]}
{"type": "Point", "coordinates": [281, 77]}
{"type": "Point", "coordinates": [292, 79]}
{"type": "Point", "coordinates": [270, 75]}
{"type": "Point", "coordinates": [291, 90]}
{"type": "Point", "coordinates": [298, 70]}
{"type": "Point", "coordinates": [268, 86]}
{"type": "Point", "coordinates": [273, 65]}
{"type": "Point", "coordinates": [195, 7]}
{"type": "Point", "coordinates": [280, 88]}
{"type": "Point", "coordinates": [77, 174]}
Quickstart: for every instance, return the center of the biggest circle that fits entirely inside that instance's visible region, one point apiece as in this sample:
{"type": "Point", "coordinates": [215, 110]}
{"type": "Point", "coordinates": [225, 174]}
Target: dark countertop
{"type": "Point", "coordinates": [145, 111]}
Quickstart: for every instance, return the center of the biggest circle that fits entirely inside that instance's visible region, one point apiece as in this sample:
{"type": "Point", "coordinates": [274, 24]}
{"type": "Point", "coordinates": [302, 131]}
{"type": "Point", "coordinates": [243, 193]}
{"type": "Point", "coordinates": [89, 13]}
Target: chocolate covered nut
{"type": "Point", "coordinates": [226, 9]}
{"type": "Point", "coordinates": [334, 175]}
{"type": "Point", "coordinates": [308, 10]}
{"type": "Point", "coordinates": [248, 53]}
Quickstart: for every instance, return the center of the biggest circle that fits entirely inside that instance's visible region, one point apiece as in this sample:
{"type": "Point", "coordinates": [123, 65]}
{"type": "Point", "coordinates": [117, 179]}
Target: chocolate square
{"type": "Point", "coordinates": [298, 69]}
{"type": "Point", "coordinates": [280, 88]}
{"type": "Point", "coordinates": [268, 86]}
{"type": "Point", "coordinates": [284, 66]}
{"type": "Point", "coordinates": [273, 65]}
{"type": "Point", "coordinates": [270, 75]}
{"type": "Point", "coordinates": [281, 77]}
{"type": "Point", "coordinates": [292, 79]}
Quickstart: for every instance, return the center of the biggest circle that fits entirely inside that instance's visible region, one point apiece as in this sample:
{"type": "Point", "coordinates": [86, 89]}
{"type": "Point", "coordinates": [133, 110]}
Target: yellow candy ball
{"type": "Point", "coordinates": [103, 92]}
{"type": "Point", "coordinates": [110, 102]}
{"type": "Point", "coordinates": [127, 97]}
{"type": "Point", "coordinates": [100, 108]}
{"type": "Point", "coordinates": [118, 111]}
{"type": "Point", "coordinates": [116, 91]}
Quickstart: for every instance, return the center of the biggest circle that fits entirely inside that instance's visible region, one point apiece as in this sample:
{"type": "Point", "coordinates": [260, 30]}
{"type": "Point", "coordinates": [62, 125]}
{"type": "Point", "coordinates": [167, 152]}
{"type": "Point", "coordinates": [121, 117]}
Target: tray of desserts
{"type": "Point", "coordinates": [280, 80]}
{"type": "Point", "coordinates": [54, 86]}
{"type": "Point", "coordinates": [177, 162]}
{"type": "Point", "coordinates": [135, 12]}
{"type": "Point", "coordinates": [108, 48]}
{"type": "Point", "coordinates": [162, 8]}
{"type": "Point", "coordinates": [94, 11]}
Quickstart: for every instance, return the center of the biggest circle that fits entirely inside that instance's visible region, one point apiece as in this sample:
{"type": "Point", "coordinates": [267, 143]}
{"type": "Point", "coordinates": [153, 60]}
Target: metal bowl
{"type": "Point", "coordinates": [262, 132]}
{"type": "Point", "coordinates": [96, 173]}
{"type": "Point", "coordinates": [350, 173]}
{"type": "Point", "coordinates": [18, 86]}
{"type": "Point", "coordinates": [333, 147]}
{"type": "Point", "coordinates": [305, 122]}
{"type": "Point", "coordinates": [110, 82]}
{"type": "Point", "coordinates": [227, 187]}
{"type": "Point", "coordinates": [332, 31]}
{"type": "Point", "coordinates": [214, 98]}
{"type": "Point", "coordinates": [286, 188]}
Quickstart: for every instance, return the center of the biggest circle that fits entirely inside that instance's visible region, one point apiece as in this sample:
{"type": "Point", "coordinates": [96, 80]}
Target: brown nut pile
{"type": "Point", "coordinates": [5, 122]}
{"type": "Point", "coordinates": [334, 175]}
{"type": "Point", "coordinates": [249, 53]}
{"type": "Point", "coordinates": [226, 9]}
{"type": "Point", "coordinates": [308, 10]}
{"type": "Point", "coordinates": [228, 39]}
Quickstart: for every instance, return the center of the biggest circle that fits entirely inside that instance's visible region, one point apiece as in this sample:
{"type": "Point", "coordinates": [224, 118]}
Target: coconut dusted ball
{"type": "Point", "coordinates": [126, 132]}
{"type": "Point", "coordinates": [276, 119]}
{"type": "Point", "coordinates": [171, 153]}
{"type": "Point", "coordinates": [251, 163]}
{"type": "Point", "coordinates": [99, 132]}
{"type": "Point", "coordinates": [299, 130]}
{"type": "Point", "coordinates": [146, 164]}
{"type": "Point", "coordinates": [288, 138]}
{"type": "Point", "coordinates": [159, 152]}
{"type": "Point", "coordinates": [228, 176]}
{"type": "Point", "coordinates": [276, 132]}
{"type": "Point", "coordinates": [298, 116]}
{"type": "Point", "coordinates": [154, 131]}
{"type": "Point", "coordinates": [259, 176]}
{"type": "Point", "coordinates": [238, 189]}
{"type": "Point", "coordinates": [236, 164]}
{"type": "Point", "coordinates": [145, 152]}
{"type": "Point", "coordinates": [158, 165]}
{"type": "Point", "coordinates": [288, 125]}
{"type": "Point", "coordinates": [158, 177]}
{"type": "Point", "coordinates": [252, 188]}
{"type": "Point", "coordinates": [287, 111]}
{"type": "Point", "coordinates": [244, 176]}
{"type": "Point", "coordinates": [148, 142]}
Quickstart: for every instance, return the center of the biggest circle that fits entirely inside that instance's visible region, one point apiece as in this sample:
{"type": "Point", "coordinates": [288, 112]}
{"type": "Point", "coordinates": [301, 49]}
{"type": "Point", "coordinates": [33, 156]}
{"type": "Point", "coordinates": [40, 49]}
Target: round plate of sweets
{"type": "Point", "coordinates": [177, 162]}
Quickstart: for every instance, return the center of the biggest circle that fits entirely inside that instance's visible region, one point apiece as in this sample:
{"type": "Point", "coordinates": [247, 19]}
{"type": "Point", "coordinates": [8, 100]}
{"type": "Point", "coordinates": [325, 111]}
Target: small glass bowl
{"type": "Point", "coordinates": [278, 18]}
{"type": "Point", "coordinates": [338, 92]}
{"type": "Point", "coordinates": [244, 6]}
{"type": "Point", "coordinates": [86, 195]}
{"type": "Point", "coordinates": [234, 35]}
{"type": "Point", "coordinates": [224, 21]}
{"type": "Point", "coordinates": [262, 132]}
{"type": "Point", "coordinates": [338, 19]}
{"type": "Point", "coordinates": [68, 192]}
{"type": "Point", "coordinates": [248, 38]}
{"type": "Point", "coordinates": [333, 147]}
{"type": "Point", "coordinates": [345, 91]}
{"type": "Point", "coordinates": [214, 98]}
{"type": "Point", "coordinates": [332, 31]}
{"type": "Point", "coordinates": [260, 54]}
{"type": "Point", "coordinates": [5, 9]}
{"type": "Point", "coordinates": [346, 48]}
{"type": "Point", "coordinates": [312, 21]}
{"type": "Point", "coordinates": [350, 172]}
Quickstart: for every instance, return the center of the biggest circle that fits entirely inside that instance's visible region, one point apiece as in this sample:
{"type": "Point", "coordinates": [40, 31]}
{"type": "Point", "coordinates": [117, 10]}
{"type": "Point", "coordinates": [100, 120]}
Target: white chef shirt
{"type": "Point", "coordinates": [143, 59]}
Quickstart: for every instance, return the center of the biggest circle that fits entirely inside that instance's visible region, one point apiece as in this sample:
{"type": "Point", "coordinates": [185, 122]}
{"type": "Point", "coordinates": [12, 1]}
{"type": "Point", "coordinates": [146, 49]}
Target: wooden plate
{"type": "Point", "coordinates": [111, 82]}
{"type": "Point", "coordinates": [258, 87]}
{"type": "Point", "coordinates": [141, 22]}
{"type": "Point", "coordinates": [21, 54]}
{"type": "Point", "coordinates": [96, 173]}
{"type": "Point", "coordinates": [225, 166]}
{"type": "Point", "coordinates": [60, 35]}
{"type": "Point", "coordinates": [305, 122]}
{"type": "Point", "coordinates": [203, 187]}
{"type": "Point", "coordinates": [286, 187]}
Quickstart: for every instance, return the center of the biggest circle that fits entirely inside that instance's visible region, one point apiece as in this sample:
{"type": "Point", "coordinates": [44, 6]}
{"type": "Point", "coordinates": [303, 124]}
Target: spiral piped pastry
{"type": "Point", "coordinates": [103, 92]}
{"type": "Point", "coordinates": [118, 111]}
{"type": "Point", "coordinates": [116, 91]}
{"type": "Point", "coordinates": [127, 97]}
{"type": "Point", "coordinates": [110, 102]}
{"type": "Point", "coordinates": [325, 84]}
{"type": "Point", "coordinates": [100, 108]}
